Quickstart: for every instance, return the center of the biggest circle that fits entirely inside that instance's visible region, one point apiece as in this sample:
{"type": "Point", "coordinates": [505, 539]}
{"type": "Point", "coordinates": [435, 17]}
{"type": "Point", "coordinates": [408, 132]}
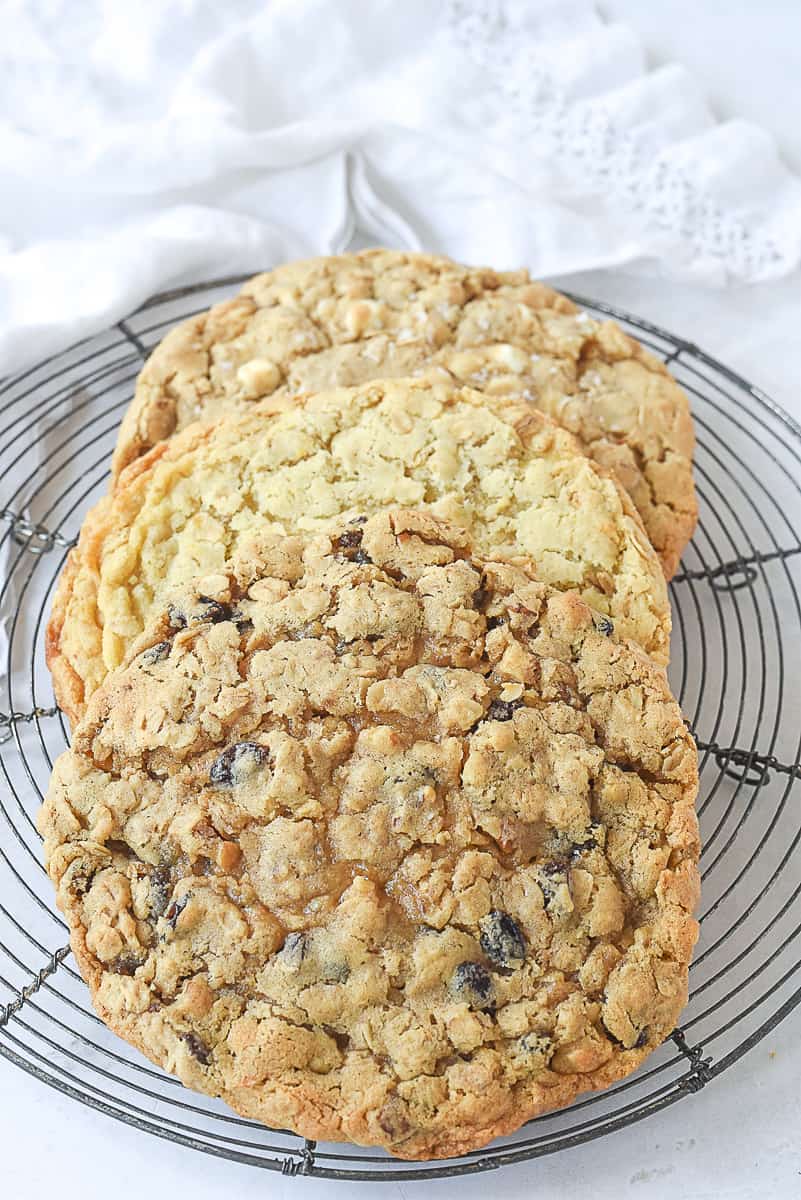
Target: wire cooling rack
{"type": "Point", "coordinates": [736, 668]}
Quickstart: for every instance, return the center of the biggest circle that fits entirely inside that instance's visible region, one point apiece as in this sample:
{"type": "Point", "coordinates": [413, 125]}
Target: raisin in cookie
{"type": "Point", "coordinates": [381, 314]}
{"type": "Point", "coordinates": [392, 844]}
{"type": "Point", "coordinates": [518, 482]}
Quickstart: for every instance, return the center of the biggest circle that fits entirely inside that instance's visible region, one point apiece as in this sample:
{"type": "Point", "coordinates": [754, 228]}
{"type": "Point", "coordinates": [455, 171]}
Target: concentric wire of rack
{"type": "Point", "coordinates": [736, 668]}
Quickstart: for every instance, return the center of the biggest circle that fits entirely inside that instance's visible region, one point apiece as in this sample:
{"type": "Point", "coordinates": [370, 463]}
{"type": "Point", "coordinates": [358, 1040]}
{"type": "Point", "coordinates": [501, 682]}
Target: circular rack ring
{"type": "Point", "coordinates": [735, 670]}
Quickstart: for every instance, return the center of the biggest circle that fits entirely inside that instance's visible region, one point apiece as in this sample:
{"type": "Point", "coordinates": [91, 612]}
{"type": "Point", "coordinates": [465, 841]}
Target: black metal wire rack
{"type": "Point", "coordinates": [736, 668]}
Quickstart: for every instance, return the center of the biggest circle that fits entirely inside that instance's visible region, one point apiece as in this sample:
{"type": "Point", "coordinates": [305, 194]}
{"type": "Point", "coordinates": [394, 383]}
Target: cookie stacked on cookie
{"type": "Point", "coordinates": [493, 465]}
{"type": "Point", "coordinates": [354, 318]}
{"type": "Point", "coordinates": [378, 817]}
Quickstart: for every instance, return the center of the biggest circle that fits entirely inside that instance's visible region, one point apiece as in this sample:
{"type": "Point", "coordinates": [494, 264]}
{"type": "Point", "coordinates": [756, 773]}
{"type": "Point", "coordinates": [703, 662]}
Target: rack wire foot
{"type": "Point", "coordinates": [737, 573]}
{"type": "Point", "coordinates": [36, 539]}
{"type": "Point", "coordinates": [7, 1011]}
{"type": "Point", "coordinates": [700, 1072]}
{"type": "Point", "coordinates": [9, 720]}
{"type": "Point", "coordinates": [756, 767]}
{"type": "Point", "coordinates": [302, 1165]}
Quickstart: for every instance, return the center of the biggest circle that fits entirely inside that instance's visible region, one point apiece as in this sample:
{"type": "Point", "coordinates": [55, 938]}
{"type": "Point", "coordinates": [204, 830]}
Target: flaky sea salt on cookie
{"type": "Point", "coordinates": [518, 483]}
{"type": "Point", "coordinates": [390, 843]}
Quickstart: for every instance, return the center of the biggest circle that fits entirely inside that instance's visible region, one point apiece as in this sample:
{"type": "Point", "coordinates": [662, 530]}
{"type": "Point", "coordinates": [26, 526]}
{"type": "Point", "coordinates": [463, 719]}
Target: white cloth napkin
{"type": "Point", "coordinates": [149, 144]}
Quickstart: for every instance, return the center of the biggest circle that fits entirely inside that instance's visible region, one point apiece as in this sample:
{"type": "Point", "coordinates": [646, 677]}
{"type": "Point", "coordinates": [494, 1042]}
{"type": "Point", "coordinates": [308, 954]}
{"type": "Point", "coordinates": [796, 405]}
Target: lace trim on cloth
{"type": "Point", "coordinates": [597, 153]}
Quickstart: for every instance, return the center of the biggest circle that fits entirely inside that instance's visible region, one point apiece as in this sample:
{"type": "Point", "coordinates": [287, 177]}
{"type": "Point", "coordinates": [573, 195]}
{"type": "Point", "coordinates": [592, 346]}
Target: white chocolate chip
{"type": "Point", "coordinates": [259, 377]}
{"type": "Point", "coordinates": [362, 315]}
{"type": "Point", "coordinates": [509, 356]}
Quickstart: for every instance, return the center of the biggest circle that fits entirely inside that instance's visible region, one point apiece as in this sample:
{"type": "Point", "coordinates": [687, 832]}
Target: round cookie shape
{"type": "Point", "coordinates": [382, 314]}
{"type": "Point", "coordinates": [392, 844]}
{"type": "Point", "coordinates": [493, 465]}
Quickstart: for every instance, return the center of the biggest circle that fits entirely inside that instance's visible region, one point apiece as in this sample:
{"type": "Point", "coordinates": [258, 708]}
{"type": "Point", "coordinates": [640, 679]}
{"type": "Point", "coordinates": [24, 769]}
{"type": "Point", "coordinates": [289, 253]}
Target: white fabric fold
{"type": "Point", "coordinates": [149, 145]}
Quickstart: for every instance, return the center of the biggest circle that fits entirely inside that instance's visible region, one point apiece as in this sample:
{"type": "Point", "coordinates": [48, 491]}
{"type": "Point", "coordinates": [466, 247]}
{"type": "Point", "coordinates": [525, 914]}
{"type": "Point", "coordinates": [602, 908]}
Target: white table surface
{"type": "Point", "coordinates": [741, 1136]}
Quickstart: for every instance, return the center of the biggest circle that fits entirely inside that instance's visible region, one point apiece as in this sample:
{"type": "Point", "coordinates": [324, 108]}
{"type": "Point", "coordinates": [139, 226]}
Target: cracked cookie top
{"type": "Point", "coordinates": [386, 841]}
{"type": "Point", "coordinates": [381, 314]}
{"type": "Point", "coordinates": [515, 480]}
